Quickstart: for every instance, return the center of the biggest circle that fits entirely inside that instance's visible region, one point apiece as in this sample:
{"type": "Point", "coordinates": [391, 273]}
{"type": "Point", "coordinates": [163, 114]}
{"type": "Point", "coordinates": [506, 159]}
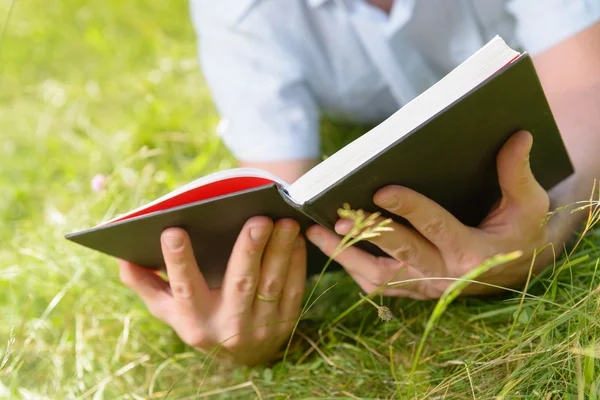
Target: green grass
{"type": "Point", "coordinates": [112, 87]}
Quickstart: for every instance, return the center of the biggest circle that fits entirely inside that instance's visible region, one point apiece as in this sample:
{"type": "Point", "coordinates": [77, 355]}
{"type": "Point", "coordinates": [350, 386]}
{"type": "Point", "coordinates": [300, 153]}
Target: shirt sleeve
{"type": "Point", "coordinates": [541, 24]}
{"type": "Point", "coordinates": [267, 111]}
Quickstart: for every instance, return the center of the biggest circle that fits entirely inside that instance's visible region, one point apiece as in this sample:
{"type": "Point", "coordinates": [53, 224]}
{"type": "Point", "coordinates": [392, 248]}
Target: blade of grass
{"type": "Point", "coordinates": [448, 297]}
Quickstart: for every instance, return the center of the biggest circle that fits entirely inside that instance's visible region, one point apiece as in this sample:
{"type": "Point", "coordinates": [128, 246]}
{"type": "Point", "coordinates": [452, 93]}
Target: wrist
{"type": "Point", "coordinates": [568, 202]}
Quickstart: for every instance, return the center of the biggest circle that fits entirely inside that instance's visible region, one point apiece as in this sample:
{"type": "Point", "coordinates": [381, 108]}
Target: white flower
{"type": "Point", "coordinates": [98, 183]}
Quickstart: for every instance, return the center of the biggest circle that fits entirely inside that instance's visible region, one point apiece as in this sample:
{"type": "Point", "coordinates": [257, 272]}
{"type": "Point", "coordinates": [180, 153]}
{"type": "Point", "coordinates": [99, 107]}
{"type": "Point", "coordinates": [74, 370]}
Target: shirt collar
{"type": "Point", "coordinates": [400, 14]}
{"type": "Point", "coordinates": [316, 3]}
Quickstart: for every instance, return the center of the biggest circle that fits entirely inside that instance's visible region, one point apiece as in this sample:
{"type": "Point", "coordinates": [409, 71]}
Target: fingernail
{"type": "Point", "coordinates": [388, 202]}
{"type": "Point", "coordinates": [530, 146]}
{"type": "Point", "coordinates": [173, 242]}
{"type": "Point", "coordinates": [343, 226]}
{"type": "Point", "coordinates": [259, 233]}
{"type": "Point", "coordinates": [317, 239]}
{"type": "Point", "coordinates": [285, 235]}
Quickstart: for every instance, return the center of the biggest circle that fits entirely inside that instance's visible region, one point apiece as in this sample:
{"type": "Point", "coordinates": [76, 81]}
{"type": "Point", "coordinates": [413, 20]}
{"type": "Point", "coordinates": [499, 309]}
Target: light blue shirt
{"type": "Point", "coordinates": [275, 67]}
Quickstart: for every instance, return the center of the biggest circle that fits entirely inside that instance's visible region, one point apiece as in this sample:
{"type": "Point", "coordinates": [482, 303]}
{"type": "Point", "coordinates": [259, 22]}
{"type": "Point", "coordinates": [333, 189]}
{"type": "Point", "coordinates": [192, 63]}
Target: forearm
{"type": "Point", "coordinates": [289, 171]}
{"type": "Point", "coordinates": [570, 75]}
{"type": "Point", "coordinates": [579, 119]}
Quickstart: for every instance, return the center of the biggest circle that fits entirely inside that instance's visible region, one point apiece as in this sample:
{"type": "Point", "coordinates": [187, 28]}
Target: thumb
{"type": "Point", "coordinates": [519, 187]}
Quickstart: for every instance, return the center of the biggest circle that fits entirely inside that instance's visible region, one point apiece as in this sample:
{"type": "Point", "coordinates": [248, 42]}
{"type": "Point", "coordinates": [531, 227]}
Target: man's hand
{"type": "Point", "coordinates": [253, 313]}
{"type": "Point", "coordinates": [441, 246]}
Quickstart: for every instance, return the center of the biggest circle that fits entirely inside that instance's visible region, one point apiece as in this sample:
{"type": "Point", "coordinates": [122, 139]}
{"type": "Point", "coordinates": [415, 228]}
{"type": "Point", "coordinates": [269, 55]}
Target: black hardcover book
{"type": "Point", "coordinates": [442, 144]}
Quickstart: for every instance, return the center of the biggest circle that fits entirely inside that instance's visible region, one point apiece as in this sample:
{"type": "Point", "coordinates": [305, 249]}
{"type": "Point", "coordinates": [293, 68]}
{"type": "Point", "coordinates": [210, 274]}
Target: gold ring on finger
{"type": "Point", "coordinates": [268, 299]}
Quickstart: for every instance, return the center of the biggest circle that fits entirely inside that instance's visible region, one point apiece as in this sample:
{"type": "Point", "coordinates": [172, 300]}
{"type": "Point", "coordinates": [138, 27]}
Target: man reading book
{"type": "Point", "coordinates": [276, 67]}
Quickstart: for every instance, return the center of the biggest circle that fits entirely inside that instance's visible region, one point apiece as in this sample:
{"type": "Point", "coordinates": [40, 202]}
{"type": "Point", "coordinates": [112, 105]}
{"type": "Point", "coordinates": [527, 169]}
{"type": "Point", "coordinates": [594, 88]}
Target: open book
{"type": "Point", "coordinates": [442, 144]}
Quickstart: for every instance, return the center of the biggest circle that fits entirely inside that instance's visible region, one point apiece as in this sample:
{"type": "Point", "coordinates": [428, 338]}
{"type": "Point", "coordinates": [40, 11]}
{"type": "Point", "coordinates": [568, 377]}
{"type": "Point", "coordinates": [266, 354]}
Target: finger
{"type": "Point", "coordinates": [293, 291]}
{"type": "Point", "coordinates": [151, 288]}
{"type": "Point", "coordinates": [404, 244]}
{"type": "Point", "coordinates": [431, 220]}
{"type": "Point", "coordinates": [519, 187]}
{"type": "Point", "coordinates": [370, 271]}
{"type": "Point", "coordinates": [243, 269]}
{"type": "Point", "coordinates": [191, 294]}
{"type": "Point", "coordinates": [274, 268]}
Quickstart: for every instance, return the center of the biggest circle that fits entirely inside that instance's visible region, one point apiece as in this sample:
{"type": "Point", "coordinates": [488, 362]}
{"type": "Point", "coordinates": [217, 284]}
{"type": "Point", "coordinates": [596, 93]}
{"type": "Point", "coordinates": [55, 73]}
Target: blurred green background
{"type": "Point", "coordinates": [113, 88]}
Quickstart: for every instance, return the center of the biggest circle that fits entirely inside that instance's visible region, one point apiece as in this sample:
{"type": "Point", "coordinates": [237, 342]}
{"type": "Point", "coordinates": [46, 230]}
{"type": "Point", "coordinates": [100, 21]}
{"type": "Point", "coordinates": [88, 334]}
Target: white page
{"type": "Point", "coordinates": [464, 78]}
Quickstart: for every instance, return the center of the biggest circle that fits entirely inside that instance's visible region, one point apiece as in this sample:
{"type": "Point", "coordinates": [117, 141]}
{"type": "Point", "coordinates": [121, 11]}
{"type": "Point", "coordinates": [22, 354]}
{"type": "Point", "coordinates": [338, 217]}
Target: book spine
{"type": "Point", "coordinates": [311, 211]}
{"type": "Point", "coordinates": [305, 209]}
{"type": "Point", "coordinates": [285, 195]}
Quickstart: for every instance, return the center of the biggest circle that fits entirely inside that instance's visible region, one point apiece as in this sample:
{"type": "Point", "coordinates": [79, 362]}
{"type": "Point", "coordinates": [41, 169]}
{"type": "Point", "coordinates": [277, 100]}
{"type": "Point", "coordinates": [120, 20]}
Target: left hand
{"type": "Point", "coordinates": [252, 315]}
{"type": "Point", "coordinates": [441, 246]}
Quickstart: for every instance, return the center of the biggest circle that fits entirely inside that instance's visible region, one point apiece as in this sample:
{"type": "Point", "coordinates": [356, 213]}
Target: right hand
{"type": "Point", "coordinates": [253, 313]}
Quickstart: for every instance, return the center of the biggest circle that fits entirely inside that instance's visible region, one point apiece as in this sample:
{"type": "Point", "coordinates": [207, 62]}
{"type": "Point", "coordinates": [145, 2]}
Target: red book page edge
{"type": "Point", "coordinates": [511, 61]}
{"type": "Point", "coordinates": [205, 192]}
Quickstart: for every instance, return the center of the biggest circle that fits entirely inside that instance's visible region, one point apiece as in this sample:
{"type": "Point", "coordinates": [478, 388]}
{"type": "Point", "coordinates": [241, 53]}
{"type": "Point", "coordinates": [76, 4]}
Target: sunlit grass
{"type": "Point", "coordinates": [113, 88]}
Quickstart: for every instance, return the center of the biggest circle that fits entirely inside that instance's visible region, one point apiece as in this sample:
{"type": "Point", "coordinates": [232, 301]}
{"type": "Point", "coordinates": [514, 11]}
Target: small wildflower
{"type": "Point", "coordinates": [98, 183]}
{"type": "Point", "coordinates": [364, 227]}
{"type": "Point", "coordinates": [383, 312]}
